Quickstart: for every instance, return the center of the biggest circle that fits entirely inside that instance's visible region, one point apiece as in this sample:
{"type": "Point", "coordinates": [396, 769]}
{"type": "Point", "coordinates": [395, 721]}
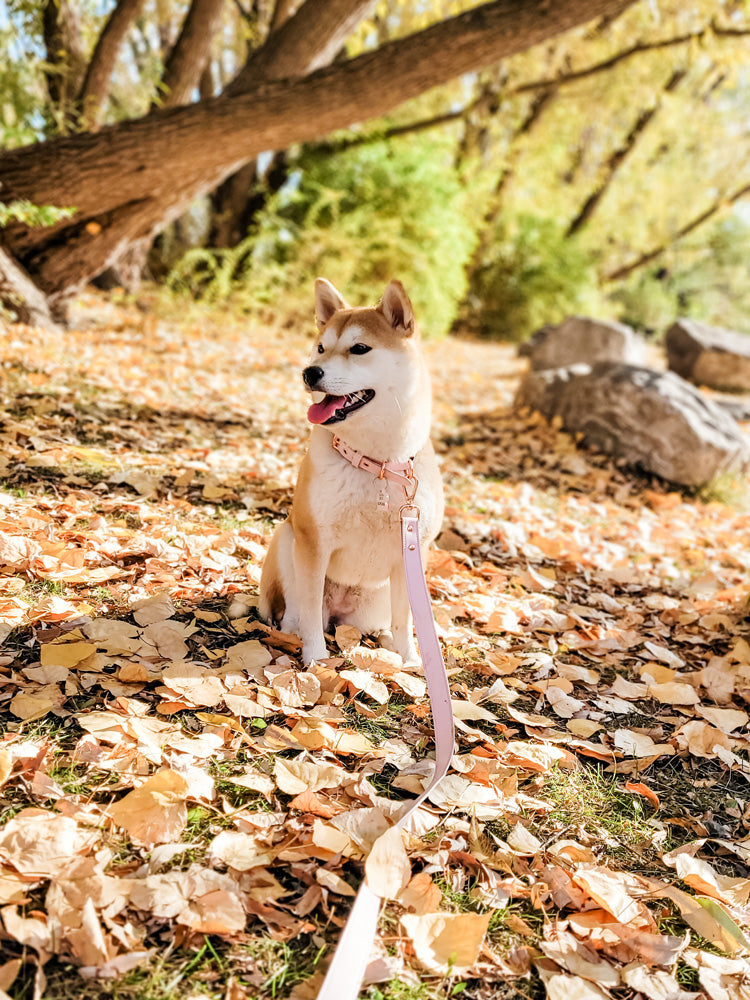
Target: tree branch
{"type": "Point", "coordinates": [640, 47]}
{"type": "Point", "coordinates": [713, 209]}
{"type": "Point", "coordinates": [535, 85]}
{"type": "Point", "coordinates": [306, 41]}
{"type": "Point", "coordinates": [65, 62]}
{"type": "Point", "coordinates": [93, 92]}
{"type": "Point", "coordinates": [175, 155]}
{"type": "Point", "coordinates": [619, 156]}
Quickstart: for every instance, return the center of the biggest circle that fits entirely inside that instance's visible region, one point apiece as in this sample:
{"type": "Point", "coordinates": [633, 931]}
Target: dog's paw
{"type": "Point", "coordinates": [410, 656]}
{"type": "Point", "coordinates": [314, 651]}
{"type": "Point", "coordinates": [405, 649]}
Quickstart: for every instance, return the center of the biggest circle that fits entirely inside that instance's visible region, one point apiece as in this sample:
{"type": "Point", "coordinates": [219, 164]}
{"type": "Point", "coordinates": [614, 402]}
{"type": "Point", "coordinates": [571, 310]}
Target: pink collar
{"type": "Point", "coordinates": [401, 473]}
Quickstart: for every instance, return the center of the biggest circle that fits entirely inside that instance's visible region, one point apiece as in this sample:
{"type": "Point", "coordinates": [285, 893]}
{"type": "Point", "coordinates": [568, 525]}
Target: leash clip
{"type": "Point", "coordinates": [411, 485]}
{"type": "Point", "coordinates": [410, 491]}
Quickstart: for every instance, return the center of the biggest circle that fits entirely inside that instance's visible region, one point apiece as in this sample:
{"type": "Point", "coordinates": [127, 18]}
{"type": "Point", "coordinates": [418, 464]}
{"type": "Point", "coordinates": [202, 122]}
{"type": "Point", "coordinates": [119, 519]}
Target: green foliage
{"type": "Point", "coordinates": [358, 217]}
{"type": "Point", "coordinates": [32, 215]}
{"type": "Point", "coordinates": [531, 275]}
{"type": "Point", "coordinates": [22, 92]}
{"type": "Point", "coordinates": [704, 277]}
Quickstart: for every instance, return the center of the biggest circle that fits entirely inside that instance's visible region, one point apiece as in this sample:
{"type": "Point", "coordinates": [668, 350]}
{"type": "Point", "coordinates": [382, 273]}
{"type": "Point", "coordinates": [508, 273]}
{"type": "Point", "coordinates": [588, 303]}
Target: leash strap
{"type": "Point", "coordinates": [347, 968]}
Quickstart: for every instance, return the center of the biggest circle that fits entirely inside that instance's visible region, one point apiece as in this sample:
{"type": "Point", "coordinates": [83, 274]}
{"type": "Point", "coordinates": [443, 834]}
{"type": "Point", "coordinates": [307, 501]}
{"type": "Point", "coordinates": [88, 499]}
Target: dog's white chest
{"type": "Point", "coordinates": [359, 514]}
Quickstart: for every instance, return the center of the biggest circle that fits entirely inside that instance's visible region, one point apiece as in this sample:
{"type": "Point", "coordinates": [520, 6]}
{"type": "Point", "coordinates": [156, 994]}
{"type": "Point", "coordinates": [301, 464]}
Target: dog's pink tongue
{"type": "Point", "coordinates": [320, 412]}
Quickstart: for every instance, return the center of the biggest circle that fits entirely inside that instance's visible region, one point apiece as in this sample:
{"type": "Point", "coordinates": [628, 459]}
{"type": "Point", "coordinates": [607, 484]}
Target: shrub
{"type": "Point", "coordinates": [531, 274]}
{"type": "Point", "coordinates": [358, 217]}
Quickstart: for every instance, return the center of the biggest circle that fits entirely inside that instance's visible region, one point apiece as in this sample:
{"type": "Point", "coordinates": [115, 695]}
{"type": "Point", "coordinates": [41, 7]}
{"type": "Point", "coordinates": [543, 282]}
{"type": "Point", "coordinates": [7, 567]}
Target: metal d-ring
{"type": "Point", "coordinates": [412, 507]}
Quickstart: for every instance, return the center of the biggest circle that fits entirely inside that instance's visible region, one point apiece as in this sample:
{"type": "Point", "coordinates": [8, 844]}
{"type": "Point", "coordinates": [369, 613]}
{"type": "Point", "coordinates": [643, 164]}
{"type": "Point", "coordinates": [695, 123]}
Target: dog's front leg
{"type": "Point", "coordinates": [402, 628]}
{"type": "Point", "coordinates": [310, 565]}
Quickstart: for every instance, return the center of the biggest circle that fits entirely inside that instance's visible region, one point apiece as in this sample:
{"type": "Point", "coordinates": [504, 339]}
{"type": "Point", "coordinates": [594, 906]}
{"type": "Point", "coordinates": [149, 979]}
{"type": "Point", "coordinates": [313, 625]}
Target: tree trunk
{"type": "Point", "coordinates": [65, 62]}
{"type": "Point", "coordinates": [298, 44]}
{"type": "Point", "coordinates": [95, 87]}
{"type": "Point", "coordinates": [131, 179]}
{"type": "Point", "coordinates": [190, 52]}
{"type": "Point", "coordinates": [494, 210]}
{"type": "Point", "coordinates": [21, 296]}
{"type": "Point", "coordinates": [182, 74]}
{"type": "Point", "coordinates": [229, 207]}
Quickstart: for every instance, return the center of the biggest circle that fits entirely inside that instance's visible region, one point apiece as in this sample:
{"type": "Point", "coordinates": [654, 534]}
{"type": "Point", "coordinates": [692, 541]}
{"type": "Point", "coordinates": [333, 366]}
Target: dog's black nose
{"type": "Point", "coordinates": [312, 375]}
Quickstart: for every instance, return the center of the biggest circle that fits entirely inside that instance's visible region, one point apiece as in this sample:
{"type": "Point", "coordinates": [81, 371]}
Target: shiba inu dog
{"type": "Point", "coordinates": [337, 558]}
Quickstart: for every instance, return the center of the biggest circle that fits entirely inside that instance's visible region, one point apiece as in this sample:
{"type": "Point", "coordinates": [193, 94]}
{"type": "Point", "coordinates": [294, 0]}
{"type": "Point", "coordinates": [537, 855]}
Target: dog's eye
{"type": "Point", "coordinates": [321, 349]}
{"type": "Point", "coordinates": [359, 349]}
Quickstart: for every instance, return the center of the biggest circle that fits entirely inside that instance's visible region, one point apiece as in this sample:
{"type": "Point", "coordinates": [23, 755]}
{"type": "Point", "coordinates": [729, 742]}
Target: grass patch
{"type": "Point", "coordinates": [588, 803]}
{"type": "Point", "coordinates": [726, 489]}
{"type": "Point", "coordinates": [399, 990]}
{"type": "Point", "coordinates": [381, 727]}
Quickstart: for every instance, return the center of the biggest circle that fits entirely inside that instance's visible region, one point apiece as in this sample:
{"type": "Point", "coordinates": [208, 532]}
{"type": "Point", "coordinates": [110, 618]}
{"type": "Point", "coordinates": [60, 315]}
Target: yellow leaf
{"type": "Point", "coordinates": [421, 894]}
{"type": "Point", "coordinates": [196, 684]}
{"type": "Point", "coordinates": [156, 812]}
{"type": "Point", "coordinates": [65, 654]}
{"type": "Point", "coordinates": [217, 912]}
{"type": "Point", "coordinates": [446, 942]}
{"type": "Point", "coordinates": [6, 765]}
{"type": "Point", "coordinates": [330, 880]}
{"type": "Point", "coordinates": [387, 868]}
{"type": "Point", "coordinates": [296, 689]}
{"type": "Point", "coordinates": [295, 776]}
{"type": "Point", "coordinates": [41, 843]}
{"type": "Point", "coordinates": [241, 851]}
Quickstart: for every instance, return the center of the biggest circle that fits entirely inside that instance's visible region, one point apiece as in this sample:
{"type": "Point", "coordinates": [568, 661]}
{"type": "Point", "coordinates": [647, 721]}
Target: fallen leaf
{"type": "Point", "coordinates": [387, 868]}
{"type": "Point", "coordinates": [639, 788]}
{"type": "Point", "coordinates": [154, 813]}
{"type": "Point", "coordinates": [297, 775]}
{"type": "Point", "coordinates": [446, 943]}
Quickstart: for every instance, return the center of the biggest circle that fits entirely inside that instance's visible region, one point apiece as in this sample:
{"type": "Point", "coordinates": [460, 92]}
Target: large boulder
{"type": "Point", "coordinates": [709, 355]}
{"type": "Point", "coordinates": [654, 420]}
{"type": "Point", "coordinates": [579, 340]}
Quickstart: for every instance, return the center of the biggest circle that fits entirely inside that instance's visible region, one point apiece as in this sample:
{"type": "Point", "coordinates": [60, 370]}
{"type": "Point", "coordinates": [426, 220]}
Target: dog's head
{"type": "Point", "coordinates": [366, 369]}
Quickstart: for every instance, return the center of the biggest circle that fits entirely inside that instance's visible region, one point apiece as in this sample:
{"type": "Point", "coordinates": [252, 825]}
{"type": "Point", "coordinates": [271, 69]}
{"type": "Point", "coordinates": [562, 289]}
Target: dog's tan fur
{"type": "Point", "coordinates": [337, 558]}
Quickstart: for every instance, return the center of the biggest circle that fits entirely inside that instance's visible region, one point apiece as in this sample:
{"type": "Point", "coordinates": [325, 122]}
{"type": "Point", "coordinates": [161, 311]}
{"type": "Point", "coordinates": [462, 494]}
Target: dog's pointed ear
{"type": "Point", "coordinates": [327, 301]}
{"type": "Point", "coordinates": [397, 308]}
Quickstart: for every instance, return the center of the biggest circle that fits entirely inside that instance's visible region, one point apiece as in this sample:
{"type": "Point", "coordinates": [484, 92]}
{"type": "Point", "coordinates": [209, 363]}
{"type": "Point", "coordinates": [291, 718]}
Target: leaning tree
{"type": "Point", "coordinates": [125, 182]}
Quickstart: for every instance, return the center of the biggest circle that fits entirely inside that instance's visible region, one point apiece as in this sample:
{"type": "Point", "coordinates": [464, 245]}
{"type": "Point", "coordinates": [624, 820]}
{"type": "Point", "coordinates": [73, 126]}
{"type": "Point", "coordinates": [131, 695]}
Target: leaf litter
{"type": "Point", "coordinates": [176, 783]}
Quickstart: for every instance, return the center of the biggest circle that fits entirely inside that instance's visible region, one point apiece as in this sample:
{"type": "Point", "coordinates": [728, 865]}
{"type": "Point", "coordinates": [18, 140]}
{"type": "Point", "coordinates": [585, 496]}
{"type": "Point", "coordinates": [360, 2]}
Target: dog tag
{"type": "Point", "coordinates": [383, 497]}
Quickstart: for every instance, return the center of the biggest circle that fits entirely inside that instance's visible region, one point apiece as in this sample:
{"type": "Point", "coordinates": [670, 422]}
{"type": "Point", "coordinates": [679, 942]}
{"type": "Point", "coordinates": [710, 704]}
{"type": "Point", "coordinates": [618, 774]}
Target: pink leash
{"type": "Point", "coordinates": [347, 968]}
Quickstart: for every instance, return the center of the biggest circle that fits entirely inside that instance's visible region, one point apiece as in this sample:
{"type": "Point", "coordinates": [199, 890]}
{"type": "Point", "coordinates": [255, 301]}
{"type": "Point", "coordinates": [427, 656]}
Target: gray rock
{"type": "Point", "coordinates": [709, 355]}
{"type": "Point", "coordinates": [579, 340]}
{"type": "Point", "coordinates": [653, 420]}
{"type": "Point", "coordinates": [737, 408]}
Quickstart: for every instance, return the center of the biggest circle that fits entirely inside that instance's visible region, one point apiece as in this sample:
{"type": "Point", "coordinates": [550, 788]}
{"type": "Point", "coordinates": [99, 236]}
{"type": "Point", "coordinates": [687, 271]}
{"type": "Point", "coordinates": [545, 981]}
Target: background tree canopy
{"type": "Point", "coordinates": [591, 160]}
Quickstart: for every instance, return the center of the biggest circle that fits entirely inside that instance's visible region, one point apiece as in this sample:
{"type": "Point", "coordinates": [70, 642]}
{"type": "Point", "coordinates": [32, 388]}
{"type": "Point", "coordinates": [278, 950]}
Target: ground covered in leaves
{"type": "Point", "coordinates": [186, 809]}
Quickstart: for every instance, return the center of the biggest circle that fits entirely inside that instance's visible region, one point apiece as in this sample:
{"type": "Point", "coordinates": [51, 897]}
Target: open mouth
{"type": "Point", "coordinates": [333, 409]}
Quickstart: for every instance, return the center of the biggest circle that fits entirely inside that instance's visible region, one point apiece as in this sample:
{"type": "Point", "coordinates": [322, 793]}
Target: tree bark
{"type": "Point", "coordinates": [190, 52]}
{"type": "Point", "coordinates": [132, 178]}
{"type": "Point", "coordinates": [305, 42]}
{"type": "Point", "coordinates": [21, 296]}
{"type": "Point", "coordinates": [99, 72]}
